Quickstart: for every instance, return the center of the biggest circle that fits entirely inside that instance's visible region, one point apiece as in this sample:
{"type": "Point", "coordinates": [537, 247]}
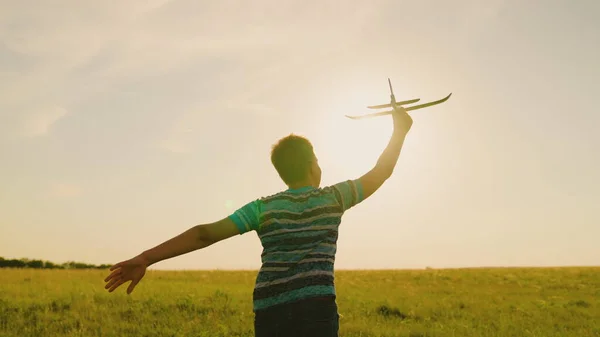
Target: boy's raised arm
{"type": "Point", "coordinates": [372, 180]}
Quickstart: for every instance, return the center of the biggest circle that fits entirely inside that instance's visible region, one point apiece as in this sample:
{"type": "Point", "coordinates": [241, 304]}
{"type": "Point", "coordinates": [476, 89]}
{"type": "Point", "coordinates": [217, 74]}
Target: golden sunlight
{"type": "Point", "coordinates": [350, 147]}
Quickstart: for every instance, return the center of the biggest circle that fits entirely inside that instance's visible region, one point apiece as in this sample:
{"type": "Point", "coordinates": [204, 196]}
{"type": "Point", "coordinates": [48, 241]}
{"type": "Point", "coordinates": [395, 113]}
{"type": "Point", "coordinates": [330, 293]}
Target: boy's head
{"type": "Point", "coordinates": [295, 161]}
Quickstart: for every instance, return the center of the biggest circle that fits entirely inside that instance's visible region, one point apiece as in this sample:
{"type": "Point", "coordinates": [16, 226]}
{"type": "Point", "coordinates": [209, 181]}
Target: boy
{"type": "Point", "coordinates": [294, 293]}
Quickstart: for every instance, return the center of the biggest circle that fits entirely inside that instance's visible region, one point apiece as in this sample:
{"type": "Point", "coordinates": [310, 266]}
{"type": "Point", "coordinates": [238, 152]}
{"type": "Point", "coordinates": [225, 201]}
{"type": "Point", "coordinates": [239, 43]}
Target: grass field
{"type": "Point", "coordinates": [454, 302]}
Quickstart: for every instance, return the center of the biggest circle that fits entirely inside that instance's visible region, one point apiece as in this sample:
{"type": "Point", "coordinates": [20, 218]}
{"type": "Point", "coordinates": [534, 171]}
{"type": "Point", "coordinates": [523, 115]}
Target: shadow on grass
{"type": "Point", "coordinates": [386, 311]}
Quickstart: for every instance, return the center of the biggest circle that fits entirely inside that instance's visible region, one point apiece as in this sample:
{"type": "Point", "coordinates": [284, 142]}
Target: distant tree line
{"type": "Point", "coordinates": [39, 264]}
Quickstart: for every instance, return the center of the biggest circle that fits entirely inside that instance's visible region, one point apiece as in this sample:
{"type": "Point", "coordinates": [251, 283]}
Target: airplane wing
{"type": "Point", "coordinates": [415, 107]}
{"type": "Point", "coordinates": [389, 105]}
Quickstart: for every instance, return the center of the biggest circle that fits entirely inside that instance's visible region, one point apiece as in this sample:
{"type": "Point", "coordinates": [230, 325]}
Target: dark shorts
{"type": "Point", "coordinates": [312, 317]}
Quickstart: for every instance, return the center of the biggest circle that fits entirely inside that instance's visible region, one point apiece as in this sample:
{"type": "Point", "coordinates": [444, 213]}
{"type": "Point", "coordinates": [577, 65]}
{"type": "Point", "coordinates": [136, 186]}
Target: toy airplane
{"type": "Point", "coordinates": [394, 103]}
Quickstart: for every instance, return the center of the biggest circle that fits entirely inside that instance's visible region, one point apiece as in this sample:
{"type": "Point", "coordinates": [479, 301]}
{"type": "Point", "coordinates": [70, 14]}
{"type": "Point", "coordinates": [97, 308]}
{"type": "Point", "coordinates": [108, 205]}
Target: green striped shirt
{"type": "Point", "coordinates": [298, 229]}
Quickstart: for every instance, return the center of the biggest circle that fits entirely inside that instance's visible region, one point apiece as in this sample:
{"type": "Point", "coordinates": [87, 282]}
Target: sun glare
{"type": "Point", "coordinates": [347, 147]}
{"type": "Point", "coordinates": [352, 146]}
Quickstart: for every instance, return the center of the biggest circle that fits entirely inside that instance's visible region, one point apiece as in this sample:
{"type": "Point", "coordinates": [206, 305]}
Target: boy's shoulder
{"type": "Point", "coordinates": [298, 195]}
{"type": "Point", "coordinates": [339, 197]}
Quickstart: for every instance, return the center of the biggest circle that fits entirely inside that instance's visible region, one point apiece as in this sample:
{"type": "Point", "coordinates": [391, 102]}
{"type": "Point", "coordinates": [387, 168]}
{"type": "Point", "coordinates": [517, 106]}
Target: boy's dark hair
{"type": "Point", "coordinates": [292, 157]}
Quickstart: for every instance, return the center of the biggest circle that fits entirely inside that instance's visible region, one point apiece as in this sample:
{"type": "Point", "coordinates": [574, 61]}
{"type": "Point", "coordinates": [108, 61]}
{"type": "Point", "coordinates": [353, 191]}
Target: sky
{"type": "Point", "coordinates": [123, 124]}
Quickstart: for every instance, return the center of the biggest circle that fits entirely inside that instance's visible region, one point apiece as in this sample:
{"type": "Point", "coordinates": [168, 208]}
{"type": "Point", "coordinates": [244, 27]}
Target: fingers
{"type": "Point", "coordinates": [113, 281]}
{"type": "Point", "coordinates": [399, 108]}
{"type": "Point", "coordinates": [132, 285]}
{"type": "Point", "coordinates": [116, 285]}
{"type": "Point", "coordinates": [120, 264]}
{"type": "Point", "coordinates": [113, 274]}
{"type": "Point", "coordinates": [125, 271]}
{"type": "Point", "coordinates": [118, 280]}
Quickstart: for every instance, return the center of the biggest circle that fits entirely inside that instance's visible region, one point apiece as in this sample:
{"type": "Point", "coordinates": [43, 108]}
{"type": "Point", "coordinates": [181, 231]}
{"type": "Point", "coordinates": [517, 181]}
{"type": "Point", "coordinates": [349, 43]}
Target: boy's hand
{"type": "Point", "coordinates": [402, 120]}
{"type": "Point", "coordinates": [131, 270]}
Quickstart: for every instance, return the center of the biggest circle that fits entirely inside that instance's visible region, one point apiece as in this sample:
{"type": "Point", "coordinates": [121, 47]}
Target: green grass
{"type": "Point", "coordinates": [456, 302]}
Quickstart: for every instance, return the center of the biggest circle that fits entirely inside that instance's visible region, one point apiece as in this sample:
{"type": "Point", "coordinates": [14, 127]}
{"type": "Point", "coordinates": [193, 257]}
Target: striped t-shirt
{"type": "Point", "coordinates": [298, 229]}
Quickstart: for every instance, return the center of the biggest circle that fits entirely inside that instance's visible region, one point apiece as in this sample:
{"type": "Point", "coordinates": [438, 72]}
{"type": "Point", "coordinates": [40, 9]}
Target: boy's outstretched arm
{"type": "Point", "coordinates": [195, 238]}
{"type": "Point", "coordinates": [372, 180]}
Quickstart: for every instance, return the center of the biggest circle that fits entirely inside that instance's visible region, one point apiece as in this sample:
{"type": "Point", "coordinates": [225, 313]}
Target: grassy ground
{"type": "Point", "coordinates": [461, 302]}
